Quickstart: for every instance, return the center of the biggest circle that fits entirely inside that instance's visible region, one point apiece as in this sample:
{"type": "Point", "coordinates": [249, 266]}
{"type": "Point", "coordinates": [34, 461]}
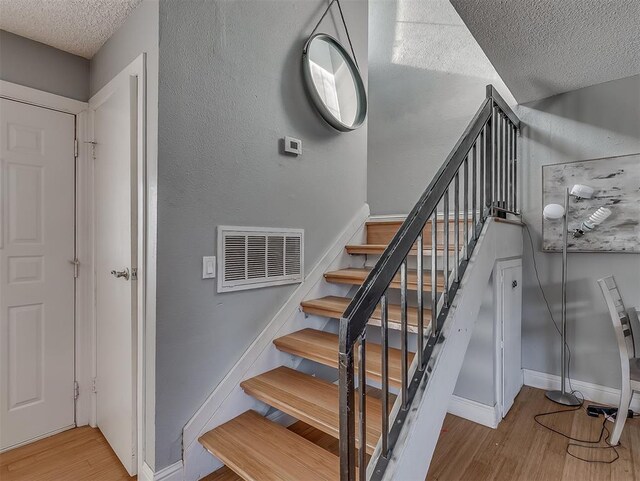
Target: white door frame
{"type": "Point", "coordinates": [137, 68]}
{"type": "Point", "coordinates": [498, 280]}
{"type": "Point", "coordinates": [85, 363]}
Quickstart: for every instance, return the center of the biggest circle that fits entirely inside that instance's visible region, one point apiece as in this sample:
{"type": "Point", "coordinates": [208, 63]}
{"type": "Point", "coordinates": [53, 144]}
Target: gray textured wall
{"type": "Point", "coordinates": [593, 122]}
{"type": "Point", "coordinates": [427, 77]}
{"type": "Point", "coordinates": [230, 88]}
{"type": "Point", "coordinates": [138, 34]}
{"type": "Point", "coordinates": [39, 66]}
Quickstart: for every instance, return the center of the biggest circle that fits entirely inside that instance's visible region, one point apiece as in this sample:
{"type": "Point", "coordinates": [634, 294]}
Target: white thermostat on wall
{"type": "Point", "coordinates": [292, 146]}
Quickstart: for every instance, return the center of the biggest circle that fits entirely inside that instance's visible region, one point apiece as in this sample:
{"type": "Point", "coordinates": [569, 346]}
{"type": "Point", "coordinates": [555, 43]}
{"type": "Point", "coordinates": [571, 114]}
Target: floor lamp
{"type": "Point", "coordinates": [557, 212]}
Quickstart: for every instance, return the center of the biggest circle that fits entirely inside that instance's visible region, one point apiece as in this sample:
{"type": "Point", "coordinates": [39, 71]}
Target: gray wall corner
{"type": "Point", "coordinates": [33, 64]}
{"type": "Point", "coordinates": [593, 122]}
{"type": "Point", "coordinates": [427, 78]}
{"type": "Point", "coordinates": [139, 33]}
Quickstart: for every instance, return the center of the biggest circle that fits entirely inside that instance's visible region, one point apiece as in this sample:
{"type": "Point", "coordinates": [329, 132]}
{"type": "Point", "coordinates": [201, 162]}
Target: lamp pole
{"type": "Point", "coordinates": [563, 397]}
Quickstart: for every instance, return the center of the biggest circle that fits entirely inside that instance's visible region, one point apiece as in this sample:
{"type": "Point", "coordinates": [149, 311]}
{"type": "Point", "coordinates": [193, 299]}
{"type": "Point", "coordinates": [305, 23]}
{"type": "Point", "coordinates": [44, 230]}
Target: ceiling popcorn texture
{"type": "Point", "coordinates": [80, 27]}
{"type": "Point", "coordinates": [545, 47]}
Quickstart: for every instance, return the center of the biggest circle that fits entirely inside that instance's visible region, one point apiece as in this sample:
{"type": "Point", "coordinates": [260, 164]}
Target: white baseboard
{"type": "Point", "coordinates": [146, 473]}
{"type": "Point", "coordinates": [474, 411]}
{"type": "Point", "coordinates": [591, 392]}
{"type": "Point", "coordinates": [173, 472]}
{"type": "Point", "coordinates": [228, 399]}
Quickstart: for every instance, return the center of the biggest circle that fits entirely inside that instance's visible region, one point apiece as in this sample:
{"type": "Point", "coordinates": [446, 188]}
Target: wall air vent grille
{"type": "Point", "coordinates": [253, 257]}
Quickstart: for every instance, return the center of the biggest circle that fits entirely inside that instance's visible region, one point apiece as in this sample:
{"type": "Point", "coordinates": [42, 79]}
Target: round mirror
{"type": "Point", "coordinates": [333, 82]}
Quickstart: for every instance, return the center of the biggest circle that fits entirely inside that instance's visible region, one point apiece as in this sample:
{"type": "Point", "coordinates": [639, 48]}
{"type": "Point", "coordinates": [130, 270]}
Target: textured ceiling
{"type": "Point", "coordinates": [544, 47]}
{"type": "Point", "coordinates": [80, 27]}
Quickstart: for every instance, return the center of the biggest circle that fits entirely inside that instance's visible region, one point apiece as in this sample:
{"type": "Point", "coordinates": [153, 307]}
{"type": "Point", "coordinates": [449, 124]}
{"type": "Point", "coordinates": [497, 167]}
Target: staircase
{"type": "Point", "coordinates": [256, 448]}
{"type": "Point", "coordinates": [310, 399]}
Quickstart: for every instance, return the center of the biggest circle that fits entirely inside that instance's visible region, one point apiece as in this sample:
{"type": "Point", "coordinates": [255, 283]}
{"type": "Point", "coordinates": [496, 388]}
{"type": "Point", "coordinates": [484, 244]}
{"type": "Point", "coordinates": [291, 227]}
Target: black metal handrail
{"type": "Point", "coordinates": [490, 141]}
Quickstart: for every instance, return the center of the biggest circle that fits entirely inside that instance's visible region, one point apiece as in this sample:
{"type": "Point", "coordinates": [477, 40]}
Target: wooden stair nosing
{"type": "Point", "coordinates": [378, 249]}
{"type": "Point", "coordinates": [322, 347]}
{"type": "Point", "coordinates": [357, 276]}
{"type": "Point", "coordinates": [311, 400]}
{"type": "Point", "coordinates": [399, 222]}
{"type": "Point", "coordinates": [260, 450]}
{"type": "Point", "coordinates": [334, 306]}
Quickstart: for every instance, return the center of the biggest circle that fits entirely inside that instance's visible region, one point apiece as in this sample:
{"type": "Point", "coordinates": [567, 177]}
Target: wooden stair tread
{"type": "Point", "coordinates": [322, 347]}
{"type": "Point", "coordinates": [381, 232]}
{"type": "Point", "coordinates": [311, 400]}
{"type": "Point", "coordinates": [399, 222]}
{"type": "Point", "coordinates": [378, 249]}
{"type": "Point", "coordinates": [357, 276]}
{"type": "Point", "coordinates": [260, 450]}
{"type": "Point", "coordinates": [334, 307]}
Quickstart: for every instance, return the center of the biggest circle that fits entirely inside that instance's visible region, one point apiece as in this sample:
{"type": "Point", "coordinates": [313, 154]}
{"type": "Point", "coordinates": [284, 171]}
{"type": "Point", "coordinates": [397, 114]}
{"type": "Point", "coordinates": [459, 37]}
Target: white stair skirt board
{"type": "Point", "coordinates": [479, 413]}
{"type": "Point", "coordinates": [228, 400]}
{"type": "Point", "coordinates": [174, 472]}
{"type": "Point", "coordinates": [591, 392]}
{"type": "Point", "coordinates": [417, 441]}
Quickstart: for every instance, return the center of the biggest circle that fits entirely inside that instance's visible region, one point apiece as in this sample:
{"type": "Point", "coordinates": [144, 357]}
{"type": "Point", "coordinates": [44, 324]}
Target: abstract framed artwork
{"type": "Point", "coordinates": [616, 181]}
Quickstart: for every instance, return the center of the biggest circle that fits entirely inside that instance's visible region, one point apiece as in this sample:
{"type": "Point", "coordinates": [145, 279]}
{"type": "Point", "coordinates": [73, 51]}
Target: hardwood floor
{"type": "Point", "coordinates": [76, 455]}
{"type": "Point", "coordinates": [519, 450]}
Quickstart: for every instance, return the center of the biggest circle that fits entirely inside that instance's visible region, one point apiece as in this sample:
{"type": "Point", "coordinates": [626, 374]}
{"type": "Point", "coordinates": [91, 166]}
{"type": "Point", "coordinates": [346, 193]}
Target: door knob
{"type": "Point", "coordinates": [124, 273]}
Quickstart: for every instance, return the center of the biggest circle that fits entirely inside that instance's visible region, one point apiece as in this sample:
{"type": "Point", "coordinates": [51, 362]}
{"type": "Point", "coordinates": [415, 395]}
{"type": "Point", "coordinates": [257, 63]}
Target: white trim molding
{"type": "Point", "coordinates": [84, 283]}
{"type": "Point", "coordinates": [41, 98]}
{"type": "Point", "coordinates": [474, 411]}
{"type": "Point", "coordinates": [83, 333]}
{"type": "Point", "coordinates": [592, 392]}
{"type": "Point", "coordinates": [173, 472]}
{"type": "Point", "coordinates": [228, 399]}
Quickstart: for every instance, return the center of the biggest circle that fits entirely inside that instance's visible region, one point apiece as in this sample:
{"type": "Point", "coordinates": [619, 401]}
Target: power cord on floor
{"type": "Point", "coordinates": [603, 437]}
{"type": "Point", "coordinates": [604, 432]}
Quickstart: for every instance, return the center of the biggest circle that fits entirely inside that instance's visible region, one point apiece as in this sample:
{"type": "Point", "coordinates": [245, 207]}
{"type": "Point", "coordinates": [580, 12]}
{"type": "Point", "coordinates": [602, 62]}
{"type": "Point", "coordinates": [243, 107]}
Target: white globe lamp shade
{"type": "Point", "coordinates": [553, 212]}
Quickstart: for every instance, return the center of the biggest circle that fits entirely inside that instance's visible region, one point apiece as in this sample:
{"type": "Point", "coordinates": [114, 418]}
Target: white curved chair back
{"type": "Point", "coordinates": [619, 318]}
{"type": "Point", "coordinates": [629, 364]}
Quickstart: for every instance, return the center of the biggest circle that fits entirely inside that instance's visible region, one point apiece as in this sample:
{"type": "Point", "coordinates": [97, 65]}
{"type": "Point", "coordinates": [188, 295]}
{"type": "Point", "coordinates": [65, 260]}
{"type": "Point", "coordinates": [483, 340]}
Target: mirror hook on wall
{"type": "Point", "coordinates": [344, 23]}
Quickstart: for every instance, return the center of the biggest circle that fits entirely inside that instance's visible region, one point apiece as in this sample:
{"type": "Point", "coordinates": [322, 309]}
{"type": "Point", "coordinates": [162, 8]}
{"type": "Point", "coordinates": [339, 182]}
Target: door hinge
{"type": "Point", "coordinates": [93, 145]}
{"type": "Point", "coordinates": [76, 267]}
{"type": "Point", "coordinates": [76, 390]}
{"type": "Point", "coordinates": [94, 385]}
{"type": "Point", "coordinates": [76, 148]}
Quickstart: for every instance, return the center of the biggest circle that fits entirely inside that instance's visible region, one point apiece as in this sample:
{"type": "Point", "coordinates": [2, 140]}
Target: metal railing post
{"type": "Point", "coordinates": [420, 297]}
{"type": "Point", "coordinates": [489, 162]}
{"type": "Point", "coordinates": [362, 408]}
{"type": "Point", "coordinates": [347, 441]}
{"type": "Point", "coordinates": [384, 324]}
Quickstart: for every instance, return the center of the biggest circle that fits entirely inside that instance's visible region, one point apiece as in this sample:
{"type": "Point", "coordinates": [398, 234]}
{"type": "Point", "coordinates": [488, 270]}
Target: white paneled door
{"type": "Point", "coordinates": [115, 120]}
{"type": "Point", "coordinates": [37, 192]}
{"type": "Point", "coordinates": [511, 321]}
